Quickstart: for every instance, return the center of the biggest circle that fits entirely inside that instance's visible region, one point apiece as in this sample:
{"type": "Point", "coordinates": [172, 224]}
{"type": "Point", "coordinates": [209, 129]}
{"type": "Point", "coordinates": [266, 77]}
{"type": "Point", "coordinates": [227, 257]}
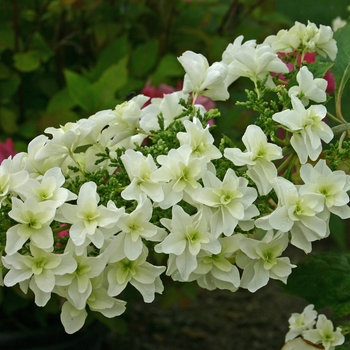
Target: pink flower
{"type": "Point", "coordinates": [153, 91]}
{"type": "Point", "coordinates": [6, 149]}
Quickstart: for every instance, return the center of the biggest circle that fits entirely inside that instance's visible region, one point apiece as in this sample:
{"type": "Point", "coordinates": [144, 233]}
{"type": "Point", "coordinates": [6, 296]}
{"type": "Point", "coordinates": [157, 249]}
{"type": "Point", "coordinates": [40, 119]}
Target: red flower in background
{"type": "Point", "coordinates": [6, 149]}
{"type": "Point", "coordinates": [311, 57]}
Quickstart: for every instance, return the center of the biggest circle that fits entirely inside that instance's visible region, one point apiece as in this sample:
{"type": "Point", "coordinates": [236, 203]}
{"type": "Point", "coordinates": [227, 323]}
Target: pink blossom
{"type": "Point", "coordinates": [159, 91]}
{"type": "Point", "coordinates": [6, 149]}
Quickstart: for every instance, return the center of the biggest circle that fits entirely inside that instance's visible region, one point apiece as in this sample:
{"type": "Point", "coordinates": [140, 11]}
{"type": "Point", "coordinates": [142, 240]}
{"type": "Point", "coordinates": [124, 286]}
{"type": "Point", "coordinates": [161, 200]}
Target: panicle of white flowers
{"type": "Point", "coordinates": [129, 193]}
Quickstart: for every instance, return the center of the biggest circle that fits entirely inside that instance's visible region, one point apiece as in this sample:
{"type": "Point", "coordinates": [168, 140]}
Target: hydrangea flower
{"type": "Point", "coordinates": [260, 260]}
{"type": "Point", "coordinates": [324, 334]}
{"type": "Point", "coordinates": [309, 88]}
{"type": "Point", "coordinates": [300, 322]}
{"type": "Point", "coordinates": [258, 157]}
{"type": "Point", "coordinates": [308, 128]}
{"type": "Point", "coordinates": [202, 79]}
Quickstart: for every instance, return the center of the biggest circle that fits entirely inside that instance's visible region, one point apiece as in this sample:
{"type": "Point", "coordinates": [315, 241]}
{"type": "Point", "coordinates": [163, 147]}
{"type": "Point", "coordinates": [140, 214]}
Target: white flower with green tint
{"type": "Point", "coordinates": [202, 79]}
{"type": "Point", "coordinates": [300, 322]}
{"type": "Point", "coordinates": [309, 88]}
{"type": "Point", "coordinates": [179, 173]}
{"type": "Point", "coordinates": [37, 271]}
{"type": "Point", "coordinates": [300, 213]}
{"type": "Point", "coordinates": [231, 201]}
{"type": "Point", "coordinates": [200, 139]}
{"type": "Point", "coordinates": [324, 334]}
{"type": "Point", "coordinates": [139, 169]}
{"type": "Point", "coordinates": [308, 128]}
{"type": "Point", "coordinates": [332, 185]}
{"type": "Point", "coordinates": [139, 273]}
{"type": "Point", "coordinates": [258, 157]}
{"type": "Point", "coordinates": [34, 219]}
{"type": "Point", "coordinates": [260, 260]}
{"type": "Point", "coordinates": [188, 235]}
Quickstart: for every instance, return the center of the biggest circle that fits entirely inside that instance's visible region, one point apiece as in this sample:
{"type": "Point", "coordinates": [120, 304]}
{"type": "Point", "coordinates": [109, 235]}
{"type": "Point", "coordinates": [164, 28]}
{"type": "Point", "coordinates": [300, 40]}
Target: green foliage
{"type": "Point", "coordinates": [324, 280]}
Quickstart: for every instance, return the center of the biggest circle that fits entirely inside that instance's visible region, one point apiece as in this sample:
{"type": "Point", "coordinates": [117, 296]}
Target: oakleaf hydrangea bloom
{"type": "Point", "coordinates": [37, 272]}
{"type": "Point", "coordinates": [139, 273]}
{"type": "Point", "coordinates": [126, 122]}
{"type": "Point", "coordinates": [34, 219]}
{"type": "Point", "coordinates": [48, 188]}
{"type": "Point", "coordinates": [142, 189]}
{"type": "Point", "coordinates": [77, 285]}
{"type": "Point", "coordinates": [134, 228]}
{"type": "Point", "coordinates": [228, 56]}
{"type": "Point", "coordinates": [10, 179]}
{"type": "Point", "coordinates": [260, 260]}
{"type": "Point", "coordinates": [300, 322]}
{"type": "Point", "coordinates": [301, 214]}
{"type": "Point", "coordinates": [168, 106]}
{"type": "Point", "coordinates": [73, 318]}
{"type": "Point", "coordinates": [309, 88]}
{"type": "Point", "coordinates": [332, 185]}
{"type": "Point", "coordinates": [304, 38]}
{"type": "Point", "coordinates": [88, 219]}
{"type": "Point", "coordinates": [202, 79]}
{"type": "Point", "coordinates": [178, 173]}
{"type": "Point", "coordinates": [324, 334]}
{"type": "Point", "coordinates": [231, 201]}
{"type": "Point", "coordinates": [216, 270]}
{"type": "Point", "coordinates": [188, 235]}
{"type": "Point", "coordinates": [256, 63]}
{"type": "Point", "coordinates": [139, 169]}
{"type": "Point", "coordinates": [258, 157]}
{"type": "Point", "coordinates": [308, 128]}
{"type": "Point", "coordinates": [200, 140]}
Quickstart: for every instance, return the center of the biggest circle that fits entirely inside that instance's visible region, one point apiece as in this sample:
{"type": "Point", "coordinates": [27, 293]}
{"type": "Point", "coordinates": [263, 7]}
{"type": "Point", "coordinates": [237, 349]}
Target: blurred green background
{"type": "Point", "coordinates": [61, 60]}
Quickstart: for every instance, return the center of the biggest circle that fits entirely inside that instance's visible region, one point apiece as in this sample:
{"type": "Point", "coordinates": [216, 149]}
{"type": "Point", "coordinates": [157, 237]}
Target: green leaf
{"type": "Point", "coordinates": [169, 66]}
{"type": "Point", "coordinates": [5, 72]}
{"type": "Point", "coordinates": [27, 61]}
{"type": "Point", "coordinates": [7, 37]}
{"type": "Point", "coordinates": [60, 100]}
{"type": "Point", "coordinates": [112, 79]}
{"type": "Point", "coordinates": [39, 45]}
{"type": "Point", "coordinates": [144, 58]}
{"type": "Point", "coordinates": [8, 120]}
{"type": "Point", "coordinates": [323, 280]}
{"type": "Point", "coordinates": [9, 87]}
{"type": "Point", "coordinates": [345, 346]}
{"type": "Point", "coordinates": [112, 54]}
{"type": "Point", "coordinates": [81, 91]}
{"type": "Point", "coordinates": [319, 69]}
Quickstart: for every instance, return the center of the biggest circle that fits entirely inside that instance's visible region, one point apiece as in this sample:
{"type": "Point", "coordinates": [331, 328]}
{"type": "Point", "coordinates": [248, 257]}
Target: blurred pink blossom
{"type": "Point", "coordinates": [6, 149]}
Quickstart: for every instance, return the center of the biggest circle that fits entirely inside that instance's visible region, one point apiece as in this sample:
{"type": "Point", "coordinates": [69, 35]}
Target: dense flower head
{"type": "Point", "coordinates": [144, 189]}
{"type": "Point", "coordinates": [305, 38]}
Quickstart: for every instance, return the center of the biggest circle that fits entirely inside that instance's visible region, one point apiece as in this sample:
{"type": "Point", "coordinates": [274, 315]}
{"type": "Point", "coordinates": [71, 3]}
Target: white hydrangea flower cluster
{"type": "Point", "coordinates": [317, 332]}
{"type": "Point", "coordinates": [127, 194]}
